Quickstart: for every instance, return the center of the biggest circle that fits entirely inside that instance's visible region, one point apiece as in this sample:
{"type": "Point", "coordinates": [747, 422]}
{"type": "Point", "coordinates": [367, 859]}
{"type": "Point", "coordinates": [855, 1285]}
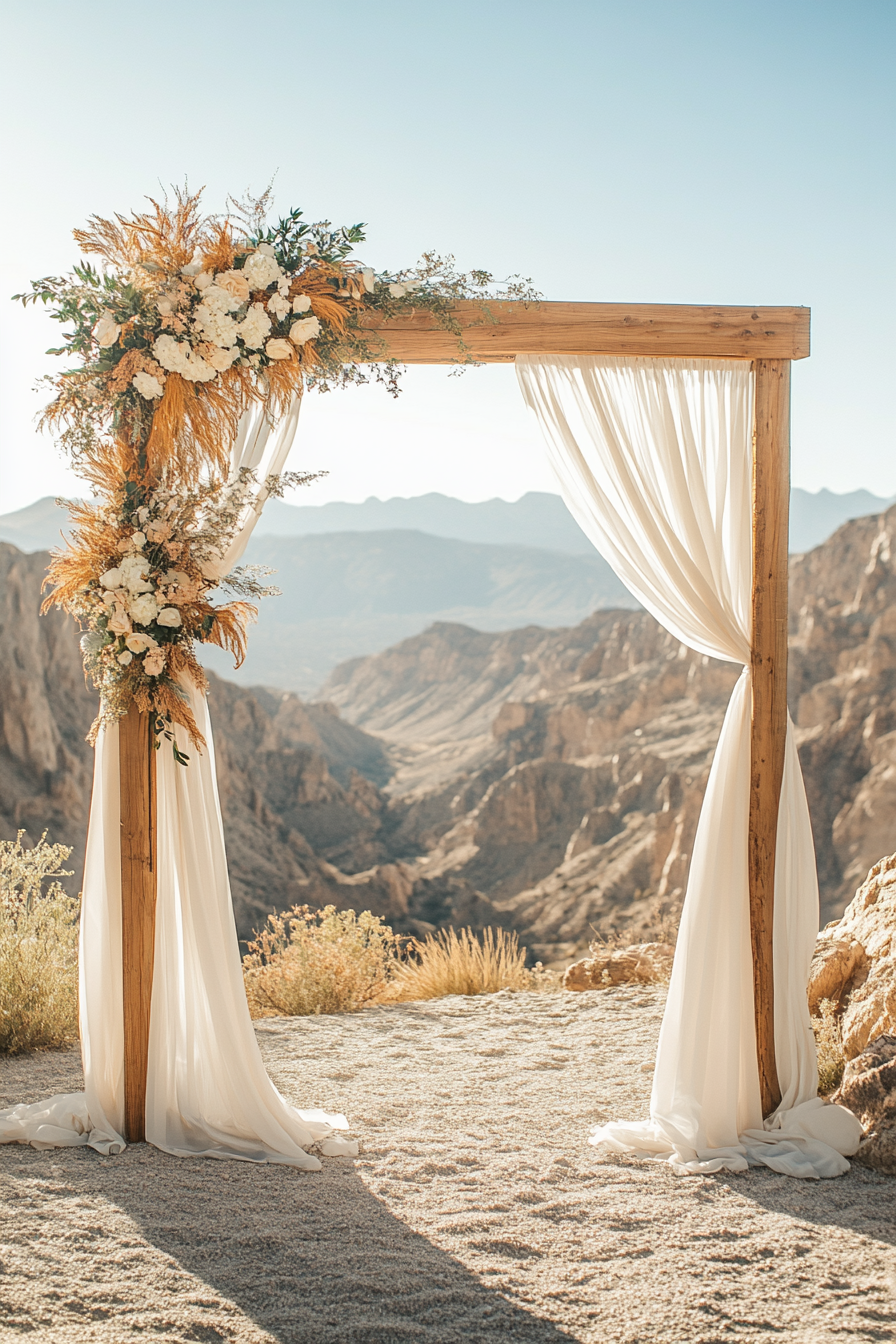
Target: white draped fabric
{"type": "Point", "coordinates": [653, 457]}
{"type": "Point", "coordinates": [207, 1090]}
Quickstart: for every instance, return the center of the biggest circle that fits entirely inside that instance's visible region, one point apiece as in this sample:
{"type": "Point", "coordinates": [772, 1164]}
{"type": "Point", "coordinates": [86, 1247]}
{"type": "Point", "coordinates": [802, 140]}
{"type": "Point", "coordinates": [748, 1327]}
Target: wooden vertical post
{"type": "Point", "coordinates": [771, 508]}
{"type": "Point", "coordinates": [137, 774]}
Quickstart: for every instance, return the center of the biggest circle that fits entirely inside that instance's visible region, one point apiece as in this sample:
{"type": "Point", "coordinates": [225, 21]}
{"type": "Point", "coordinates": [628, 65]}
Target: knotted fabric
{"type": "Point", "coordinates": [654, 461]}
{"type": "Point", "coordinates": [207, 1090]}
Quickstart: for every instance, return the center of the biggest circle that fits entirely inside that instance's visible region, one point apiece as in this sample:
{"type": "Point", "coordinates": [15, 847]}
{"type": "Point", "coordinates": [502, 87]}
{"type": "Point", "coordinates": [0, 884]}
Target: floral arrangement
{"type": "Point", "coordinates": [187, 323]}
{"type": "Point", "coordinates": [140, 576]}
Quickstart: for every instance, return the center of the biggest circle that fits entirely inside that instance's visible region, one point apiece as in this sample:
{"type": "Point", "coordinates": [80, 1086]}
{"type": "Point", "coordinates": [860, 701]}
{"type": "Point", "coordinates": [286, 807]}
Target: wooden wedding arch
{"type": "Point", "coordinates": [770, 338]}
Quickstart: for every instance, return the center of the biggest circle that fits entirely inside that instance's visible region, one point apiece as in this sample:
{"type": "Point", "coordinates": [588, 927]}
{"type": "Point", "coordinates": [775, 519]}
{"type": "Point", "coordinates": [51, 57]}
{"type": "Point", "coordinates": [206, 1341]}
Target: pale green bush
{"type": "Point", "coordinates": [319, 961]}
{"type": "Point", "coordinates": [38, 948]}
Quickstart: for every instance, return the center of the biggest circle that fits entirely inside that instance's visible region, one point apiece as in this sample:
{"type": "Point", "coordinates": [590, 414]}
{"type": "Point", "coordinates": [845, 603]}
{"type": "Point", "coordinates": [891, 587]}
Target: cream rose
{"type": "Point", "coordinates": [169, 616]}
{"type": "Point", "coordinates": [125, 658]}
{"type": "Point", "coordinates": [304, 330]}
{"type": "Point", "coordinates": [278, 349]}
{"type": "Point", "coordinates": [138, 539]}
{"type": "Point", "coordinates": [235, 283]}
{"type": "Point", "coordinates": [119, 624]}
{"type": "Point", "coordinates": [301, 303]}
{"type": "Point", "coordinates": [368, 275]}
{"type": "Point", "coordinates": [113, 578]}
{"type": "Point", "coordinates": [222, 358]}
{"type": "Point", "coordinates": [107, 331]}
{"type": "Point", "coordinates": [139, 643]}
{"type": "Point", "coordinates": [158, 531]}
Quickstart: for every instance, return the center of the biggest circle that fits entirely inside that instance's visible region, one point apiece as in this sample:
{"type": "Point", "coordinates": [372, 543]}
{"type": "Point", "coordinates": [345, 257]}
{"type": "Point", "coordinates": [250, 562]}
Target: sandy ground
{"type": "Point", "coordinates": [476, 1211]}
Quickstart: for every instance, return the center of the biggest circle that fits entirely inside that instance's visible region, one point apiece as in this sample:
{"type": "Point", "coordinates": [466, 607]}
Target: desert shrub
{"type": "Point", "coordinates": [318, 961]}
{"type": "Point", "coordinates": [38, 948]}
{"type": "Point", "coordinates": [829, 1045]}
{"type": "Point", "coordinates": [462, 963]}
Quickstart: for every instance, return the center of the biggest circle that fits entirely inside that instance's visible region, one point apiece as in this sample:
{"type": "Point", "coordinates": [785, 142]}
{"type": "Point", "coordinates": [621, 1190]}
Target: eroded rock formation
{"type": "Point", "coordinates": [561, 772]}
{"type": "Point", "coordinates": [855, 962]}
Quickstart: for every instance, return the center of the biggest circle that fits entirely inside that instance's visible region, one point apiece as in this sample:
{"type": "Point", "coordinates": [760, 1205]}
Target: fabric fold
{"type": "Point", "coordinates": [208, 1094]}
{"type": "Point", "coordinates": [654, 459]}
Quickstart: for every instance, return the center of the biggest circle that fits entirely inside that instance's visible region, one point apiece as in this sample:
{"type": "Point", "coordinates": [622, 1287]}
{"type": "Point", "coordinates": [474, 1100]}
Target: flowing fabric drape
{"type": "Point", "coordinates": [653, 457]}
{"type": "Point", "coordinates": [207, 1090]}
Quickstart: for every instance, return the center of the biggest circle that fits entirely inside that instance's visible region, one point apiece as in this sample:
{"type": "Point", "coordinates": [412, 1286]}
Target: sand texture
{"type": "Point", "coordinates": [476, 1210]}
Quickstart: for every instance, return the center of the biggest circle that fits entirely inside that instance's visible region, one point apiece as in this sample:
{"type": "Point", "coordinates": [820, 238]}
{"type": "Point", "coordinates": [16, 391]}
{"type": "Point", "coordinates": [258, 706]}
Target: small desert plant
{"type": "Point", "coordinates": [38, 948]}
{"type": "Point", "coordinates": [829, 1045]}
{"type": "Point", "coordinates": [318, 961]}
{"type": "Point", "coordinates": [462, 963]}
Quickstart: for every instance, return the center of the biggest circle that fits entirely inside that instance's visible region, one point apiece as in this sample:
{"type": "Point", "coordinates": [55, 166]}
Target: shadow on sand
{"type": "Point", "coordinates": [310, 1259]}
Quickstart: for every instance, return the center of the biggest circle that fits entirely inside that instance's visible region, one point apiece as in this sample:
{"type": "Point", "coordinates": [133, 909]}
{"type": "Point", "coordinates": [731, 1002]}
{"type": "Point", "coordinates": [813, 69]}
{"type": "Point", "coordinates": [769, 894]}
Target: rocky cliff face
{"type": "Point", "coordinates": [45, 711]}
{"type": "Point", "coordinates": [546, 779]}
{"type": "Point", "coordinates": [305, 819]}
{"type": "Point", "coordinates": [560, 773]}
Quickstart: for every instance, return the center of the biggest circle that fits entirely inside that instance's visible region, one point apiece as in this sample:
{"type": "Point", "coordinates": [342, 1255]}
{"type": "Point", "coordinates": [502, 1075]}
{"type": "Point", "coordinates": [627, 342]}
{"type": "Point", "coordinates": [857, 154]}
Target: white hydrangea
{"type": "Point", "coordinates": [171, 354]}
{"type": "Point", "coordinates": [261, 268]}
{"type": "Point", "coordinates": [304, 330]}
{"type": "Point", "coordinates": [221, 298]}
{"type": "Point", "coordinates": [178, 357]}
{"type": "Point", "coordinates": [197, 371]}
{"type": "Point", "coordinates": [134, 570]}
{"type": "Point", "coordinates": [255, 327]}
{"type": "Point", "coordinates": [216, 326]}
{"type": "Point", "coordinates": [147, 385]}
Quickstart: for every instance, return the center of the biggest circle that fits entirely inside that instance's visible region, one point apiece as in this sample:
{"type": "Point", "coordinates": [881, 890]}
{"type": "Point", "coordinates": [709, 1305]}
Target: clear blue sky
{"type": "Point", "coordinates": [662, 150]}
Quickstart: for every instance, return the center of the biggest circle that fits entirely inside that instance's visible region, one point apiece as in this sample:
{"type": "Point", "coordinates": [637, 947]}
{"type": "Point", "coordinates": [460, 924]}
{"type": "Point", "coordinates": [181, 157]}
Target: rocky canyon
{"type": "Point", "coordinates": [545, 779]}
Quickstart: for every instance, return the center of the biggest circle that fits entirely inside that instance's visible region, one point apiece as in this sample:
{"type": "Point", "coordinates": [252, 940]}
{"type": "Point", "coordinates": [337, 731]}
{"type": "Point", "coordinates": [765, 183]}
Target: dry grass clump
{"type": "Point", "coordinates": [38, 948]}
{"type": "Point", "coordinates": [308, 961]}
{"type": "Point", "coordinates": [453, 962]}
{"type": "Point", "coordinates": [829, 1045]}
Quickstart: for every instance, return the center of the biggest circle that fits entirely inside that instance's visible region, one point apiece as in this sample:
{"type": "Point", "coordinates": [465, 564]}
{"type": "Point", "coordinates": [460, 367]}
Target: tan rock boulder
{"type": "Point", "coordinates": [869, 1090]}
{"type": "Point", "coordinates": [855, 961]}
{"type": "Point", "coordinates": [836, 965]}
{"type": "Point", "coordinates": [643, 963]}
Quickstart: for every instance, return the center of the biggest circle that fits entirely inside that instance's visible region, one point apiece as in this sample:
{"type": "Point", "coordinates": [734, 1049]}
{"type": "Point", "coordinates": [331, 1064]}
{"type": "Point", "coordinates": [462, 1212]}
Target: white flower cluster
{"type": "Point", "coordinates": [217, 323]}
{"type": "Point", "coordinates": [261, 268]}
{"type": "Point", "coordinates": [179, 357]}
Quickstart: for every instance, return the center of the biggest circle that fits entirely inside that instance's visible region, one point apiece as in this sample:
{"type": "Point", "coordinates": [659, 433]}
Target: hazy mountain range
{"type": "Point", "coordinates": [356, 578]}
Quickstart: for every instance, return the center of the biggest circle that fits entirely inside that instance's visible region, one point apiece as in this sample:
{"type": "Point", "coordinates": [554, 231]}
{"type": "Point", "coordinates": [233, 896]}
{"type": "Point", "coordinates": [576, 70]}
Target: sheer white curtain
{"type": "Point", "coordinates": [653, 457]}
{"type": "Point", "coordinates": [207, 1091]}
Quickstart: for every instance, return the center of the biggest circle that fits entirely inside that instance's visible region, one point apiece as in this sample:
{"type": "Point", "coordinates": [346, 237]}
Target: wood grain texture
{"type": "Point", "coordinates": [674, 330]}
{"type": "Point", "coordinates": [137, 773]}
{"type": "Point", "coordinates": [771, 497]}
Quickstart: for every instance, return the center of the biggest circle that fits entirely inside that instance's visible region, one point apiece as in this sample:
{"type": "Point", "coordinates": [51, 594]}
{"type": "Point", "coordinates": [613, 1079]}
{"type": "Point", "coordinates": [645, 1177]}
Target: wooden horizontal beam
{"type": "Point", "coordinates": [674, 330]}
